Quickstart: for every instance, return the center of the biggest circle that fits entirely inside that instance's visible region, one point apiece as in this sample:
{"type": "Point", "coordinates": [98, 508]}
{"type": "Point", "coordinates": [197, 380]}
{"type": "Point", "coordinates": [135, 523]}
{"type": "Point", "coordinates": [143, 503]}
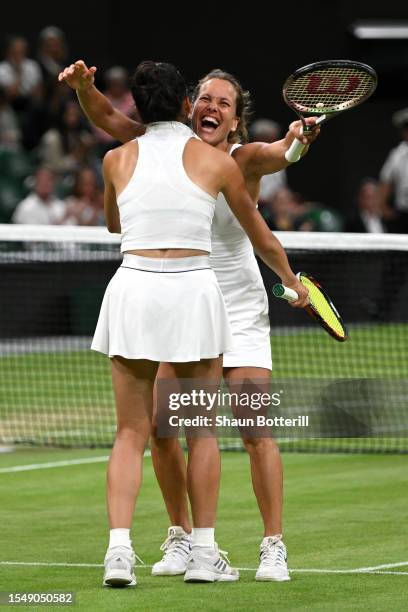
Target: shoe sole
{"type": "Point", "coordinates": [119, 579]}
{"type": "Point", "coordinates": [169, 573]}
{"type": "Point", "coordinates": [207, 576]}
{"type": "Point", "coordinates": [269, 579]}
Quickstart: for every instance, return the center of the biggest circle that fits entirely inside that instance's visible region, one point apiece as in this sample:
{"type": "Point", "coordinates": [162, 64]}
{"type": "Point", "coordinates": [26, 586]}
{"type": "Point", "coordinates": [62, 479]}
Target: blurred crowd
{"type": "Point", "coordinates": [50, 156]}
{"type": "Point", "coordinates": [380, 204]}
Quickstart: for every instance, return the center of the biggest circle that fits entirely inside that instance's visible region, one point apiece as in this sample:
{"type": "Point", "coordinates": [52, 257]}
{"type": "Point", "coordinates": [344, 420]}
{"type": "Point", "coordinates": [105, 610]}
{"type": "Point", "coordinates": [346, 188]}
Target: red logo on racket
{"type": "Point", "coordinates": [332, 85]}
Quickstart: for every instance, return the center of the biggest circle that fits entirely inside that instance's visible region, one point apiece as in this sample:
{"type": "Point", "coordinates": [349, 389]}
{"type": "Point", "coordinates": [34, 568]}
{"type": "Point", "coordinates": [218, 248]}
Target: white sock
{"type": "Point", "coordinates": [203, 537]}
{"type": "Point", "coordinates": [274, 539]}
{"type": "Point", "coordinates": [119, 537]}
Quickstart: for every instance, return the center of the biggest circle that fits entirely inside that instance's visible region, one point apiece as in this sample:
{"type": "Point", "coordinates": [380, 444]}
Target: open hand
{"type": "Point", "coordinates": [78, 76]}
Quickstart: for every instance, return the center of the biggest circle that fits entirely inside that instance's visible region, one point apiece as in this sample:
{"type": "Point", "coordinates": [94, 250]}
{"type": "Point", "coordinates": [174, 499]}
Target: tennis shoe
{"type": "Point", "coordinates": [209, 565]}
{"type": "Point", "coordinates": [273, 561]}
{"type": "Point", "coordinates": [176, 548]}
{"type": "Point", "coordinates": [119, 564]}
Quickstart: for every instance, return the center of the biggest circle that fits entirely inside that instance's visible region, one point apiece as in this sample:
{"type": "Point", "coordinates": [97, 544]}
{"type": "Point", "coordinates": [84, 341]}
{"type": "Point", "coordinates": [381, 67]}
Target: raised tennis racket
{"type": "Point", "coordinates": [326, 89]}
{"type": "Point", "coordinates": [320, 308]}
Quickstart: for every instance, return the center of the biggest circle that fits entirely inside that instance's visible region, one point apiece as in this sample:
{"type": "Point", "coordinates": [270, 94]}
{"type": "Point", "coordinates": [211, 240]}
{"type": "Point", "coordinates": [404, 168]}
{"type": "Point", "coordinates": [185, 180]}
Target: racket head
{"type": "Point", "coordinates": [329, 87]}
{"type": "Point", "coordinates": [322, 308]}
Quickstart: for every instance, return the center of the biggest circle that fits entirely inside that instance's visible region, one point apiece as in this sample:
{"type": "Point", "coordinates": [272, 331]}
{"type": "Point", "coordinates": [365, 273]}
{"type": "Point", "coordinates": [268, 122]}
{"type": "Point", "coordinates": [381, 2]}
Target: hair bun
{"type": "Point", "coordinates": [158, 90]}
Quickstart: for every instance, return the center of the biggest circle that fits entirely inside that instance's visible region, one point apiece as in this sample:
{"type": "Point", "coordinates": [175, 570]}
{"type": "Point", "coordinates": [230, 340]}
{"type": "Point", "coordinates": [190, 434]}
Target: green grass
{"type": "Point", "coordinates": [66, 398]}
{"type": "Point", "coordinates": [371, 351]}
{"type": "Point", "coordinates": [341, 512]}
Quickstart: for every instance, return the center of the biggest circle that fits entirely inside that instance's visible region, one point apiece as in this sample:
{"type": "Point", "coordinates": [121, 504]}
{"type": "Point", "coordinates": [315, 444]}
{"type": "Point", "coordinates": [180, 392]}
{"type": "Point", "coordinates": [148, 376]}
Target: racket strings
{"type": "Point", "coordinates": [331, 89]}
{"type": "Point", "coordinates": [323, 307]}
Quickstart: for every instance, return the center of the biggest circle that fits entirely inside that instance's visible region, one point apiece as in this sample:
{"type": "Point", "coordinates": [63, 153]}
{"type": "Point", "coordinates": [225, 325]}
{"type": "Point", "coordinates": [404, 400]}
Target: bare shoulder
{"type": "Point", "coordinates": [116, 157]}
{"type": "Point", "coordinates": [202, 148]}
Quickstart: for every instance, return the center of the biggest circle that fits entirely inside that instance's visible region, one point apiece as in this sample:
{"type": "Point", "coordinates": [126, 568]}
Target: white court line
{"type": "Point", "coordinates": [384, 566]}
{"type": "Point", "coordinates": [392, 573]}
{"type": "Point", "coordinates": [52, 464]}
{"type": "Point", "coordinates": [41, 564]}
{"type": "Point", "coordinates": [359, 570]}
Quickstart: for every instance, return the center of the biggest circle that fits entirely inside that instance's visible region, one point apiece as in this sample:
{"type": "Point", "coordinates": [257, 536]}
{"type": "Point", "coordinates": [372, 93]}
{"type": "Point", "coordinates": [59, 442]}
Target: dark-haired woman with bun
{"type": "Point", "coordinates": [164, 303]}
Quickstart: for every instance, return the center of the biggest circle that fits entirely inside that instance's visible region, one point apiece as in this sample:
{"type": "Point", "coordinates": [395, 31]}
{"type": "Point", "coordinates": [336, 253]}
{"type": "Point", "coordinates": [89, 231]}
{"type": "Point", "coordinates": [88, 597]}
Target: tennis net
{"type": "Point", "coordinates": [55, 391]}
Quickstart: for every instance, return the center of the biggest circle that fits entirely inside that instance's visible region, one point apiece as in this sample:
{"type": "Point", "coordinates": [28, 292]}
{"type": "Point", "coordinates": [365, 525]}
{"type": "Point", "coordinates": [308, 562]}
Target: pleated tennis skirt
{"type": "Point", "coordinates": [169, 310]}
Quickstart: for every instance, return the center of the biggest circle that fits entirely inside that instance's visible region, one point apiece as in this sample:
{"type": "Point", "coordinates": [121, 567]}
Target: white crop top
{"type": "Point", "coordinates": [161, 207]}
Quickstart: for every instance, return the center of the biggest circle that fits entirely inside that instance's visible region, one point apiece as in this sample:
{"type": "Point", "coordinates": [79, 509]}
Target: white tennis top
{"type": "Point", "coordinates": [161, 207]}
{"type": "Point", "coordinates": [229, 239]}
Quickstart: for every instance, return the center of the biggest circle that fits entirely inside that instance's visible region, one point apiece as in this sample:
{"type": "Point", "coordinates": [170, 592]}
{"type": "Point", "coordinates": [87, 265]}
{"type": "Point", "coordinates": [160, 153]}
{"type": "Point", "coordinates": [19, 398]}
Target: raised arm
{"type": "Point", "coordinates": [258, 158]}
{"type": "Point", "coordinates": [96, 106]}
{"type": "Point", "coordinates": [264, 242]}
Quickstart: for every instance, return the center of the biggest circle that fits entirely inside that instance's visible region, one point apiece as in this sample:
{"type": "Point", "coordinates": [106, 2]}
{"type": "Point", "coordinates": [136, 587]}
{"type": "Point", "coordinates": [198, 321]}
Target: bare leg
{"type": "Point", "coordinates": [203, 479]}
{"type": "Point", "coordinates": [204, 466]}
{"type": "Point", "coordinates": [266, 463]}
{"type": "Point", "coordinates": [133, 381]}
{"type": "Point", "coordinates": [171, 469]}
{"type": "Point", "coordinates": [267, 481]}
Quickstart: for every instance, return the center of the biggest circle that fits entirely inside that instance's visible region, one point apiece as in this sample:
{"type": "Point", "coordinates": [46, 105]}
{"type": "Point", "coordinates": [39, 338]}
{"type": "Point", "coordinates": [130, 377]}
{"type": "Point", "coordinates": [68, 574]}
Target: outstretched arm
{"type": "Point", "coordinates": [258, 158]}
{"type": "Point", "coordinates": [96, 106]}
{"type": "Point", "coordinates": [264, 242]}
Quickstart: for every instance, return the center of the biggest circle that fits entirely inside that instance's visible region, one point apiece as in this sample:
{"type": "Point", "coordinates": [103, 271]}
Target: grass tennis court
{"type": "Point", "coordinates": [342, 512]}
{"type": "Point", "coordinates": [53, 393]}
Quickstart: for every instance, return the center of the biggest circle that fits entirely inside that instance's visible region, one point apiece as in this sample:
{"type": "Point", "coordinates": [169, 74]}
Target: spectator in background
{"type": "Point", "coordinates": [85, 206]}
{"type": "Point", "coordinates": [368, 216]}
{"type": "Point", "coordinates": [118, 93]}
{"type": "Point", "coordinates": [51, 57]}
{"type": "Point", "coordinates": [10, 133]}
{"type": "Point", "coordinates": [266, 130]}
{"type": "Point", "coordinates": [43, 113]}
{"type": "Point", "coordinates": [288, 211]}
{"type": "Point", "coordinates": [394, 179]}
{"type": "Point", "coordinates": [41, 206]}
{"type": "Point", "coordinates": [282, 211]}
{"type": "Point", "coordinates": [68, 146]}
{"type": "Point", "coordinates": [20, 76]}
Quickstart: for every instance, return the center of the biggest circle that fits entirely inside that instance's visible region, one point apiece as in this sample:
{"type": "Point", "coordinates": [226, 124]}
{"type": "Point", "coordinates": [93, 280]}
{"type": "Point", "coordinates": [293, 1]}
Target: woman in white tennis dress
{"type": "Point", "coordinates": [164, 302]}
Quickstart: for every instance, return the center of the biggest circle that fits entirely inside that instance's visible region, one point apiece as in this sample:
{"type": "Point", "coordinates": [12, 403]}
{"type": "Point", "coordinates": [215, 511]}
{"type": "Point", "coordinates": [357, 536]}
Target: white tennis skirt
{"type": "Point", "coordinates": [244, 293]}
{"type": "Point", "coordinates": [168, 310]}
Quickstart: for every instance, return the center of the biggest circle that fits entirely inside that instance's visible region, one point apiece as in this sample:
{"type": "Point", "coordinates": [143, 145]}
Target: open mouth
{"type": "Point", "coordinates": [209, 124]}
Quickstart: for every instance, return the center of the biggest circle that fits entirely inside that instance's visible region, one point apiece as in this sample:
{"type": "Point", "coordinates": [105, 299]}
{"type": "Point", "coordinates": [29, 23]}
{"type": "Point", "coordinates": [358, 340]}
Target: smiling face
{"type": "Point", "coordinates": [214, 112]}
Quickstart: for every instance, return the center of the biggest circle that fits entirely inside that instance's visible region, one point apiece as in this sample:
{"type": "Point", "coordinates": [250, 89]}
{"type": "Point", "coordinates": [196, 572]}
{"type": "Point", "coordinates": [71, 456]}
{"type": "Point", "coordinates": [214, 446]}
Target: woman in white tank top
{"type": "Point", "coordinates": [219, 116]}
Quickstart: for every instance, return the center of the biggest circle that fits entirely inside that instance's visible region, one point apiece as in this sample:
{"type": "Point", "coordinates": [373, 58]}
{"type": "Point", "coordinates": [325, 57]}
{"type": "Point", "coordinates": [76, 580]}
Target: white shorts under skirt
{"type": "Point", "coordinates": [169, 310]}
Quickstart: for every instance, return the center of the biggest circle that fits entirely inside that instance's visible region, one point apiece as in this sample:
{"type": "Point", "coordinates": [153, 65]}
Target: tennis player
{"type": "Point", "coordinates": [219, 118]}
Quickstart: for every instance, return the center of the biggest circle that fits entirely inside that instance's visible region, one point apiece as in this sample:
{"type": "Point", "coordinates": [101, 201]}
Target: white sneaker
{"type": "Point", "coordinates": [273, 560]}
{"type": "Point", "coordinates": [177, 548]}
{"type": "Point", "coordinates": [119, 564]}
{"type": "Point", "coordinates": [207, 565]}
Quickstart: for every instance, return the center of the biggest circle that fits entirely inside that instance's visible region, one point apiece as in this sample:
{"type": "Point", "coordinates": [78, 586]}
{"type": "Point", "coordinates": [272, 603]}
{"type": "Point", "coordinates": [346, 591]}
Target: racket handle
{"type": "Point", "coordinates": [295, 151]}
{"type": "Point", "coordinates": [285, 293]}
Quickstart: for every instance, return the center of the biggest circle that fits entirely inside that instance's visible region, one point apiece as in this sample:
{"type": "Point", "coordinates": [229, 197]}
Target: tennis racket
{"type": "Point", "coordinates": [326, 89]}
{"type": "Point", "coordinates": [320, 308]}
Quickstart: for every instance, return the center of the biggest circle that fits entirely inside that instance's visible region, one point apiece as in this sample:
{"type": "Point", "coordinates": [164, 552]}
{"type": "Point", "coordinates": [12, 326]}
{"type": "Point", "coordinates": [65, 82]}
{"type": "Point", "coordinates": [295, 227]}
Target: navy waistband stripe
{"type": "Point", "coordinates": [164, 272]}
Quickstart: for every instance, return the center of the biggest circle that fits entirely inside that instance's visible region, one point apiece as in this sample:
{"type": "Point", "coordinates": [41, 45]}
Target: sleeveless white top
{"type": "Point", "coordinates": [161, 207]}
{"type": "Point", "coordinates": [228, 236]}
